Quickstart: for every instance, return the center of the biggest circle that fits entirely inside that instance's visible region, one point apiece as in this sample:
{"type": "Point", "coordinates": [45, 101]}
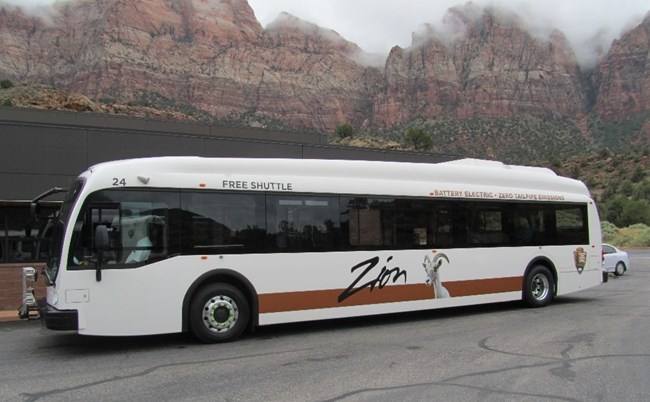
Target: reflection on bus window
{"type": "Point", "coordinates": [370, 222]}
{"type": "Point", "coordinates": [138, 227]}
{"type": "Point", "coordinates": [303, 223]}
{"type": "Point", "coordinates": [223, 222]}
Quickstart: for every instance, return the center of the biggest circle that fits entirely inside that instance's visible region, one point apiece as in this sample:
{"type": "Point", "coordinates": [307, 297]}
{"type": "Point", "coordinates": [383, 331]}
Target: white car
{"type": "Point", "coordinates": [615, 260]}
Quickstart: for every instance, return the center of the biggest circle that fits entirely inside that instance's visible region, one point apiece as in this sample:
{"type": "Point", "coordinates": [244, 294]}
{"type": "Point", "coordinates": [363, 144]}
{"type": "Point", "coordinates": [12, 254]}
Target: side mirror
{"type": "Point", "coordinates": [102, 241]}
{"type": "Point", "coordinates": [102, 244]}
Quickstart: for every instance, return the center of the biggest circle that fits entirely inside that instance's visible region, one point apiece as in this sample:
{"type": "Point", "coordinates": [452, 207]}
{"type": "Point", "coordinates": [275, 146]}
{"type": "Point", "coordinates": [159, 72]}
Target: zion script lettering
{"type": "Point", "coordinates": [381, 280]}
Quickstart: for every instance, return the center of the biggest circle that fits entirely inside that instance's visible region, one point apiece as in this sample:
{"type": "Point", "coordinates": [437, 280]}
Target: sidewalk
{"type": "Point", "coordinates": [11, 315]}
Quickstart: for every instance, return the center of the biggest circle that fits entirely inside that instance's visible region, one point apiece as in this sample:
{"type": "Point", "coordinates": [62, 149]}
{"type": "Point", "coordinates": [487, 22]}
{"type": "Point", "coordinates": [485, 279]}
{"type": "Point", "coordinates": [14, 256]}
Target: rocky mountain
{"type": "Point", "coordinates": [214, 56]}
{"type": "Point", "coordinates": [211, 54]}
{"type": "Point", "coordinates": [622, 79]}
{"type": "Point", "coordinates": [494, 68]}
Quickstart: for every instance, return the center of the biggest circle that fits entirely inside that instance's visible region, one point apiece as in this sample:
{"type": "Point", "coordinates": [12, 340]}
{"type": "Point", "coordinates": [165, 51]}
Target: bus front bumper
{"type": "Point", "coordinates": [58, 320]}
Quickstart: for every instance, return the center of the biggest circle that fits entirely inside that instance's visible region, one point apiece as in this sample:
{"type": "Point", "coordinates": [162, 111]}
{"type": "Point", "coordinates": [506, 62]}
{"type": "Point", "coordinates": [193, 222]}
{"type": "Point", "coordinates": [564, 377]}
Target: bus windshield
{"type": "Point", "coordinates": [59, 223]}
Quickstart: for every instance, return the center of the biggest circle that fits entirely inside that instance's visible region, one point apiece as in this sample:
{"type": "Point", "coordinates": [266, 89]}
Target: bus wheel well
{"type": "Point", "coordinates": [229, 277]}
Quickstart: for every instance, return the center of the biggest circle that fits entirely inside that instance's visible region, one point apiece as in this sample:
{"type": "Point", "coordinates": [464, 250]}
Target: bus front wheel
{"type": "Point", "coordinates": [219, 313]}
{"type": "Point", "coordinates": [539, 287]}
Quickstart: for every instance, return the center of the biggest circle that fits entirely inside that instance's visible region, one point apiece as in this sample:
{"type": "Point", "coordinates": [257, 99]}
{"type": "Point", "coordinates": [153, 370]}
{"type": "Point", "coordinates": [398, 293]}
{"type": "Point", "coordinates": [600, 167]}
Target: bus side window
{"type": "Point", "coordinates": [303, 223]}
{"type": "Point", "coordinates": [570, 223]}
{"type": "Point", "coordinates": [414, 224]}
{"type": "Point", "coordinates": [223, 222]}
{"type": "Point", "coordinates": [370, 222]}
{"type": "Point", "coordinates": [443, 236]}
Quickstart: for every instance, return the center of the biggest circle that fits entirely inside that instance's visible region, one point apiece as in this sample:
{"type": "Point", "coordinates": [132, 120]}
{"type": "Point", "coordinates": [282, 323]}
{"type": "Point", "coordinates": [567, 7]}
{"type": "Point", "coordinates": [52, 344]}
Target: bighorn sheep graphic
{"type": "Point", "coordinates": [431, 268]}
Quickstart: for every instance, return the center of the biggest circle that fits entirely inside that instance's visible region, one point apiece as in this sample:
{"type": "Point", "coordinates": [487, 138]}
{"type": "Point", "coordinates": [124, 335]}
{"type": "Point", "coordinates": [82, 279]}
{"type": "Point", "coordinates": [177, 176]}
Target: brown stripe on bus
{"type": "Point", "coordinates": [317, 299]}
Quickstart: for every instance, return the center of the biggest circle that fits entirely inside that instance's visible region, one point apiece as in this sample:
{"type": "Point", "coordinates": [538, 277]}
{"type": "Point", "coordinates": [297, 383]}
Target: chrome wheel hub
{"type": "Point", "coordinates": [539, 287]}
{"type": "Point", "coordinates": [220, 314]}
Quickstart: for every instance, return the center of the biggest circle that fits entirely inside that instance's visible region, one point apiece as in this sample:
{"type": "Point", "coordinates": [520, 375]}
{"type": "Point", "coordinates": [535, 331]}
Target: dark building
{"type": "Point", "coordinates": [41, 149]}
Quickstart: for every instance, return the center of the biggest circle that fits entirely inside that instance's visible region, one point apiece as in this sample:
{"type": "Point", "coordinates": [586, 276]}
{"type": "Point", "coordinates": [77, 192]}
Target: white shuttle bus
{"type": "Point", "coordinates": [219, 246]}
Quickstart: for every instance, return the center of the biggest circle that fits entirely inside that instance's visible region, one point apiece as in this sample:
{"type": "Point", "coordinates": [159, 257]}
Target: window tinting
{"type": "Point", "coordinates": [369, 222]}
{"type": "Point", "coordinates": [414, 224]}
{"type": "Point", "coordinates": [571, 225]}
{"type": "Point", "coordinates": [302, 223]}
{"type": "Point", "coordinates": [223, 222]}
{"type": "Point", "coordinates": [487, 227]}
{"type": "Point", "coordinates": [146, 226]}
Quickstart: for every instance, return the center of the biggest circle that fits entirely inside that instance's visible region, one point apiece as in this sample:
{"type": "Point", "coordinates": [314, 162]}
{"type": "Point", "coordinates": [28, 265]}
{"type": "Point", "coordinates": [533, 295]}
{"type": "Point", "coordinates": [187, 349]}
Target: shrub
{"type": "Point", "coordinates": [637, 235]}
{"type": "Point", "coordinates": [638, 174]}
{"type": "Point", "coordinates": [627, 188]}
{"type": "Point", "coordinates": [609, 230]}
{"type": "Point", "coordinates": [642, 191]}
{"type": "Point", "coordinates": [344, 131]}
{"type": "Point", "coordinates": [575, 172]}
{"type": "Point", "coordinates": [591, 182]}
{"type": "Point", "coordinates": [633, 236]}
{"type": "Point", "coordinates": [605, 153]}
{"type": "Point", "coordinates": [6, 84]}
{"type": "Point", "coordinates": [7, 102]}
{"type": "Point", "coordinates": [418, 139]}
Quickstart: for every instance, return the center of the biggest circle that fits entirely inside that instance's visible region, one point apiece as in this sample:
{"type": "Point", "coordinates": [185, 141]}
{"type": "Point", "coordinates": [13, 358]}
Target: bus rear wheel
{"type": "Point", "coordinates": [219, 313]}
{"type": "Point", "coordinates": [539, 287]}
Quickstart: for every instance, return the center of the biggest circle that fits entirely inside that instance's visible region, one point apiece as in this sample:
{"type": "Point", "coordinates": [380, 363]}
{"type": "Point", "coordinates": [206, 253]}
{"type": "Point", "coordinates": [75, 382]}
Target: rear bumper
{"type": "Point", "coordinates": [58, 320]}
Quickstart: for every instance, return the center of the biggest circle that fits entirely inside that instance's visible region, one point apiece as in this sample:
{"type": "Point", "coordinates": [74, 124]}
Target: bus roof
{"type": "Point", "coordinates": [463, 178]}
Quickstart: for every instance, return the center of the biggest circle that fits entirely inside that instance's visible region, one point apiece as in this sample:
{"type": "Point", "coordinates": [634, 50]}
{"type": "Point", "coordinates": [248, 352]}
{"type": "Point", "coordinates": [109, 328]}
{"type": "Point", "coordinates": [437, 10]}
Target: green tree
{"type": "Point", "coordinates": [638, 174]}
{"type": "Point", "coordinates": [627, 188]}
{"type": "Point", "coordinates": [623, 212]}
{"type": "Point", "coordinates": [605, 153]}
{"type": "Point", "coordinates": [344, 131]}
{"type": "Point", "coordinates": [642, 191]}
{"type": "Point", "coordinates": [634, 211]}
{"type": "Point", "coordinates": [575, 172]}
{"type": "Point", "coordinates": [5, 84]}
{"type": "Point", "coordinates": [611, 209]}
{"type": "Point", "coordinates": [418, 139]}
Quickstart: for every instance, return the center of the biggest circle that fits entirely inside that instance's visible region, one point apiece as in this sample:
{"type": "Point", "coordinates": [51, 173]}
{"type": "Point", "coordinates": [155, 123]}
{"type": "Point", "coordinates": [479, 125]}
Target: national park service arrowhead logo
{"type": "Point", "coordinates": [580, 259]}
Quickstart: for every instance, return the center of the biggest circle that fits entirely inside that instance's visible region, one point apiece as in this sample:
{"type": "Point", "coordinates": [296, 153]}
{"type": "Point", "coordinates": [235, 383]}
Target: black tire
{"type": "Point", "coordinates": [620, 268]}
{"type": "Point", "coordinates": [539, 287]}
{"type": "Point", "coordinates": [219, 312]}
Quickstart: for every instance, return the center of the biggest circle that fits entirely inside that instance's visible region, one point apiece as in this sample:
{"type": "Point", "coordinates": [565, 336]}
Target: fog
{"type": "Point", "coordinates": [378, 25]}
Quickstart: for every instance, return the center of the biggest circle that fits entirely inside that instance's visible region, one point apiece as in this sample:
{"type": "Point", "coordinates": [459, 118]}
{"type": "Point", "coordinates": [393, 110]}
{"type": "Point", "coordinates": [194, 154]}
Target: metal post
{"type": "Point", "coordinates": [29, 309]}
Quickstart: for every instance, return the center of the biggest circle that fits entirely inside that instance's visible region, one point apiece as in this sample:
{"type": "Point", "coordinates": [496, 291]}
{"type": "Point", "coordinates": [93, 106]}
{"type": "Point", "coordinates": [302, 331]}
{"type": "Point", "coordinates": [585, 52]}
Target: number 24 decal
{"type": "Point", "coordinates": [119, 181]}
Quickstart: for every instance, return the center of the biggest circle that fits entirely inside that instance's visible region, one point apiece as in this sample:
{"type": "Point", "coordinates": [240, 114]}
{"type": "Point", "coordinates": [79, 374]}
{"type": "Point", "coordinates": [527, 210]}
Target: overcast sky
{"type": "Point", "coordinates": [378, 25]}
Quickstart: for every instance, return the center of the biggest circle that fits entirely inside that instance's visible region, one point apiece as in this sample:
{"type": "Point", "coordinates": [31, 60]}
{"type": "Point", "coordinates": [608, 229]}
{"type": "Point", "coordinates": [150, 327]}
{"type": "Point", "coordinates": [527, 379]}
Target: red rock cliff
{"type": "Point", "coordinates": [492, 67]}
{"type": "Point", "coordinates": [623, 78]}
{"type": "Point", "coordinates": [214, 55]}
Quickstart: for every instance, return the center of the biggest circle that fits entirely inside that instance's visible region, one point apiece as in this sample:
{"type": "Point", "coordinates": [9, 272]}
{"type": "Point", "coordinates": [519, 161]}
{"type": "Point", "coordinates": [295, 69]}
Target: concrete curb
{"type": "Point", "coordinates": [6, 316]}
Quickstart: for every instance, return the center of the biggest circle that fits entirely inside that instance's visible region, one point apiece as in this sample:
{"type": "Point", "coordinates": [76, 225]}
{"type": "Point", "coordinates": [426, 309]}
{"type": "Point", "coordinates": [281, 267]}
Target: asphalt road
{"type": "Point", "coordinates": [591, 346]}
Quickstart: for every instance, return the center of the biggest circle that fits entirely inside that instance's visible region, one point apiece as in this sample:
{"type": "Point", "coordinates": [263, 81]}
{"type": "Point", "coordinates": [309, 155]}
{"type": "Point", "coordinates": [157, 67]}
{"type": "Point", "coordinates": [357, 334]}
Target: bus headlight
{"type": "Point", "coordinates": [55, 298]}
